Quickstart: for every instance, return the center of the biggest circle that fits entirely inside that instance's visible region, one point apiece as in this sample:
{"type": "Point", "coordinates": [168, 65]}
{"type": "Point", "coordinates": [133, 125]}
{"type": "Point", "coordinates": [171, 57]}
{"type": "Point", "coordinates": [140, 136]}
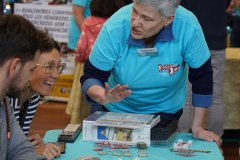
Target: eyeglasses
{"type": "Point", "coordinates": [50, 67]}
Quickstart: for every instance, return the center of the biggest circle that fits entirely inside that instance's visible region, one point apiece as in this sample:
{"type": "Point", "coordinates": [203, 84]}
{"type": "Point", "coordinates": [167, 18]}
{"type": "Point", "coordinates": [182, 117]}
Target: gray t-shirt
{"type": "Point", "coordinates": [18, 147]}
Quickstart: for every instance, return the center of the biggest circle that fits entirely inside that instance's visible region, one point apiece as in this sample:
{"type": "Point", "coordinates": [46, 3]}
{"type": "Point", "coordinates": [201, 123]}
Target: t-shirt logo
{"type": "Point", "coordinates": [170, 68]}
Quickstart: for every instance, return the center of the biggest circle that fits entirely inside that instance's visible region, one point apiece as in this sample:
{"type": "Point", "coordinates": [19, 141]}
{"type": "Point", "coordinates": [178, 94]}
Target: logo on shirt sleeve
{"type": "Point", "coordinates": [170, 68]}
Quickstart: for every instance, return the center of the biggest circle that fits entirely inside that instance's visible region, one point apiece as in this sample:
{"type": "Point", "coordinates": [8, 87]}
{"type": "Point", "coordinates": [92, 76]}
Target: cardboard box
{"type": "Point", "coordinates": [119, 127]}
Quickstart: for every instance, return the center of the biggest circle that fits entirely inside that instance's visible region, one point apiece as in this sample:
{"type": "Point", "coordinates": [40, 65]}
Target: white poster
{"type": "Point", "coordinates": [54, 18]}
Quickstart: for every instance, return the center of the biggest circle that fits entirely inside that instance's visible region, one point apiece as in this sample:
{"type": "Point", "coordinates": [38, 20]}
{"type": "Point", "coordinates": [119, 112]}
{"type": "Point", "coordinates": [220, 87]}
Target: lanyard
{"type": "Point", "coordinates": [7, 119]}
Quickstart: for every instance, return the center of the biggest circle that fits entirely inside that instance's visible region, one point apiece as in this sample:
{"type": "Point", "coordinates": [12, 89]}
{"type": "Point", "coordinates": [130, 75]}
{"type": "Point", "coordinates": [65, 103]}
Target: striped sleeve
{"type": "Point", "coordinates": [30, 105]}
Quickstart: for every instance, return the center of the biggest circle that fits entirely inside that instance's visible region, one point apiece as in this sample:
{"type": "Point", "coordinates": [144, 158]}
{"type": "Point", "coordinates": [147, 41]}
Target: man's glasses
{"type": "Point", "coordinates": [50, 67]}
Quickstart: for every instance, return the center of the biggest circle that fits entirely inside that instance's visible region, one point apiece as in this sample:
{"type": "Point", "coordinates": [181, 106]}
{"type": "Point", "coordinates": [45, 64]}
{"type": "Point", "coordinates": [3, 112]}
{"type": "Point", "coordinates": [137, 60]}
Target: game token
{"type": "Point", "coordinates": [88, 157]}
{"type": "Point", "coordinates": [116, 154]}
{"type": "Point", "coordinates": [102, 153]}
{"type": "Point", "coordinates": [97, 149]}
{"type": "Point", "coordinates": [112, 146]}
{"type": "Point", "coordinates": [133, 146]}
{"type": "Point", "coordinates": [141, 145]}
{"type": "Point", "coordinates": [142, 155]}
{"type": "Point", "coordinates": [125, 150]}
{"type": "Point", "coordinates": [127, 155]}
{"type": "Point", "coordinates": [141, 151]}
{"type": "Point", "coordinates": [112, 150]}
{"type": "Point", "coordinates": [106, 143]}
{"type": "Point", "coordinates": [124, 146]}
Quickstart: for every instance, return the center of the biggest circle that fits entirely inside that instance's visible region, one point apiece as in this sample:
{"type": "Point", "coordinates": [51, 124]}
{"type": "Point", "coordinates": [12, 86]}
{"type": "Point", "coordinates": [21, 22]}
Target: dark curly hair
{"type": "Point", "coordinates": [19, 38]}
{"type": "Point", "coordinates": [105, 8]}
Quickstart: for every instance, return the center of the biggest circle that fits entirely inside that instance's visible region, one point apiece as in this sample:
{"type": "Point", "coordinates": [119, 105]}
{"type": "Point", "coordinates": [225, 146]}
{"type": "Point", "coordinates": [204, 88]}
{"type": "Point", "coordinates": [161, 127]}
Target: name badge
{"type": "Point", "coordinates": [147, 52]}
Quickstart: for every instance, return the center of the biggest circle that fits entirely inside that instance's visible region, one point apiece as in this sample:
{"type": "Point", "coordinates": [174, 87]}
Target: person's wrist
{"type": "Point", "coordinates": [195, 129]}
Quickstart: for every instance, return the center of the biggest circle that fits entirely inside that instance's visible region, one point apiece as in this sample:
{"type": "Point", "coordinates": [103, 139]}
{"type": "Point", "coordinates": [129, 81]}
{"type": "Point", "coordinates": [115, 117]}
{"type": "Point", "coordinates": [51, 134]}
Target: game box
{"type": "Point", "coordinates": [119, 127]}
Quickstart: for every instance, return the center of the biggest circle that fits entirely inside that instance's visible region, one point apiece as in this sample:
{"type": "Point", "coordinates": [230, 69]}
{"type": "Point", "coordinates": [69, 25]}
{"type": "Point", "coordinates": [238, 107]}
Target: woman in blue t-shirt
{"type": "Point", "coordinates": [81, 10]}
{"type": "Point", "coordinates": [143, 53]}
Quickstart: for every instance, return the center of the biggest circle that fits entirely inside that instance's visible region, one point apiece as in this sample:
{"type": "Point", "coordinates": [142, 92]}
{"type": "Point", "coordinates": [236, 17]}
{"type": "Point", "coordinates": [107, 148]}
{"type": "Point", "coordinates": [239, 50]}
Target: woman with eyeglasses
{"type": "Point", "coordinates": [45, 74]}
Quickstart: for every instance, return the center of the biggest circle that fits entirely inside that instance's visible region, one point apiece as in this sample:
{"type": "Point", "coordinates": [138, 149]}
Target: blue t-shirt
{"type": "Point", "coordinates": [73, 31]}
{"type": "Point", "coordinates": [158, 83]}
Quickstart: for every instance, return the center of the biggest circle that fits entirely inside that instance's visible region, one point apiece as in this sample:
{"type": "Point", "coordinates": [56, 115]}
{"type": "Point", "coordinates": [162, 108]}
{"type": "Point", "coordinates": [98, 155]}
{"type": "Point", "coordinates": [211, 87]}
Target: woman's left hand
{"type": "Point", "coordinates": [35, 139]}
{"type": "Point", "coordinates": [49, 150]}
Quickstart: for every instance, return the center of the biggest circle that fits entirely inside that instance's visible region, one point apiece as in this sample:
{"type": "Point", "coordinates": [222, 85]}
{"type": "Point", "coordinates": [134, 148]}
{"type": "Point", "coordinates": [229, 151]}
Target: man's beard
{"type": "Point", "coordinates": [13, 90]}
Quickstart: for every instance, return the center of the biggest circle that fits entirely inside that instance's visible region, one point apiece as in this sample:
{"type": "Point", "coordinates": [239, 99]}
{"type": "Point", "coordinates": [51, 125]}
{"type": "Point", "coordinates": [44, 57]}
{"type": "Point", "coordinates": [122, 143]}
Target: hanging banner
{"type": "Point", "coordinates": [54, 18]}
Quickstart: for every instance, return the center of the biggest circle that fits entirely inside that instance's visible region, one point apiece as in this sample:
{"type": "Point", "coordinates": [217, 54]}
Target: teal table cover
{"type": "Point", "coordinates": [81, 148]}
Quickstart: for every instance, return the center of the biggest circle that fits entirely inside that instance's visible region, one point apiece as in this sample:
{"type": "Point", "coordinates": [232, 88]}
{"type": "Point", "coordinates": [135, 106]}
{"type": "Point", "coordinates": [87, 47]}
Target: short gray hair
{"type": "Point", "coordinates": [165, 7]}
